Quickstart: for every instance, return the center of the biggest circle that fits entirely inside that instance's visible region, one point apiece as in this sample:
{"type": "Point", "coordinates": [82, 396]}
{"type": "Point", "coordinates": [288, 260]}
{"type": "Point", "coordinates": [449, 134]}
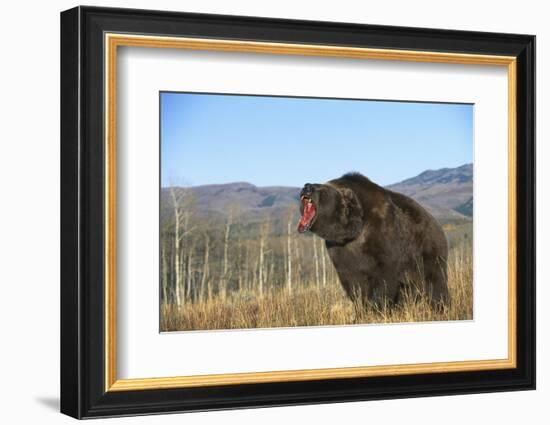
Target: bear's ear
{"type": "Point", "coordinates": [352, 212]}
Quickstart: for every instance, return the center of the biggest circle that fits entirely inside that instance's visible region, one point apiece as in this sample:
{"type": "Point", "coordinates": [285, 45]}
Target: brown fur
{"type": "Point", "coordinates": [379, 241]}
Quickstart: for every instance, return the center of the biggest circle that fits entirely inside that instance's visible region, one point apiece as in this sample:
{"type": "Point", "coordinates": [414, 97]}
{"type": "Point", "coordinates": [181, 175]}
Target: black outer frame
{"type": "Point", "coordinates": [82, 219]}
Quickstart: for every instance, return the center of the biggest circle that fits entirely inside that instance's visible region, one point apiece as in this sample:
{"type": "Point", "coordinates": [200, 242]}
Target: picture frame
{"type": "Point", "coordinates": [90, 40]}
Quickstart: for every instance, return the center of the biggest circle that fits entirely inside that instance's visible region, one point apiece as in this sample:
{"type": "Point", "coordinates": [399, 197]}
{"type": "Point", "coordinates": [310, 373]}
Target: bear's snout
{"type": "Point", "coordinates": [307, 190]}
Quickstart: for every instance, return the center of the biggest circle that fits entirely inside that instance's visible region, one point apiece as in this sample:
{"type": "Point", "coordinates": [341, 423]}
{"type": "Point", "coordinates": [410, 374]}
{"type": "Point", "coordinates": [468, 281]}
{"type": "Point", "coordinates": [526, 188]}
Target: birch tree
{"type": "Point", "coordinates": [289, 255]}
{"type": "Point", "coordinates": [225, 259]}
{"type": "Point", "coordinates": [246, 262]}
{"type": "Point", "coordinates": [177, 231]}
{"type": "Point", "coordinates": [264, 232]}
{"type": "Point", "coordinates": [324, 265]}
{"type": "Point", "coordinates": [189, 275]}
{"type": "Point", "coordinates": [205, 265]}
{"type": "Point", "coordinates": [316, 261]}
{"type": "Point", "coordinates": [181, 204]}
{"type": "Point", "coordinates": [164, 272]}
{"type": "Point", "coordinates": [298, 271]}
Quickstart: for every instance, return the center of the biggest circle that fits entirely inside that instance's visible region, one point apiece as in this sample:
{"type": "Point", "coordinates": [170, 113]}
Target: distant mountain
{"type": "Point", "coordinates": [251, 203]}
{"type": "Point", "coordinates": [244, 196]}
{"type": "Point", "coordinates": [446, 187]}
{"type": "Point", "coordinates": [467, 208]}
{"type": "Point", "coordinates": [445, 193]}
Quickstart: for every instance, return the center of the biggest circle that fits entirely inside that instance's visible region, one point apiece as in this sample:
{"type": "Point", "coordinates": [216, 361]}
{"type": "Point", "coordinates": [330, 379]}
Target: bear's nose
{"type": "Point", "coordinates": [307, 190]}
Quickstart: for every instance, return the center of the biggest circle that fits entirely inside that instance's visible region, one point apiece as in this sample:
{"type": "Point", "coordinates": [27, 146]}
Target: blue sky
{"type": "Point", "coordinates": [280, 141]}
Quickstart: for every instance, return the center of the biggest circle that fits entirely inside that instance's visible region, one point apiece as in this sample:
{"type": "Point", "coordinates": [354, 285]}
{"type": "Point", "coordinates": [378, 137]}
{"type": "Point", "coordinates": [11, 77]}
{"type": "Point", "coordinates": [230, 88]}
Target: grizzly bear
{"type": "Point", "coordinates": [380, 242]}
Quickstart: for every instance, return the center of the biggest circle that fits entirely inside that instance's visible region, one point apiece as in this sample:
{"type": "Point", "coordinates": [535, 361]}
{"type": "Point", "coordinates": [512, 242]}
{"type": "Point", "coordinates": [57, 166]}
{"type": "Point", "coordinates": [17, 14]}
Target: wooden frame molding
{"type": "Point", "coordinates": [113, 41]}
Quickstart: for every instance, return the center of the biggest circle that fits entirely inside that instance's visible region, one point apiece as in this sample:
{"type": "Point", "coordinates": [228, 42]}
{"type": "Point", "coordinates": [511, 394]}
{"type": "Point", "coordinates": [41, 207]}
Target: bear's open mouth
{"type": "Point", "coordinates": [308, 214]}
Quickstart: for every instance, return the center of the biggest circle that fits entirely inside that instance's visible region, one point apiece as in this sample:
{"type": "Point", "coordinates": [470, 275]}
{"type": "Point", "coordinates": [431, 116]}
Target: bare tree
{"type": "Point", "coordinates": [289, 255]}
{"type": "Point", "coordinates": [264, 232]}
{"type": "Point", "coordinates": [189, 275]}
{"type": "Point", "coordinates": [225, 260]}
{"type": "Point", "coordinates": [182, 204]}
{"type": "Point", "coordinates": [298, 263]}
{"type": "Point", "coordinates": [324, 264]}
{"type": "Point", "coordinates": [316, 261]}
{"type": "Point", "coordinates": [205, 265]}
{"type": "Point", "coordinates": [246, 262]}
{"type": "Point", "coordinates": [177, 230]}
{"type": "Point", "coordinates": [164, 272]}
{"type": "Point", "coordinates": [261, 267]}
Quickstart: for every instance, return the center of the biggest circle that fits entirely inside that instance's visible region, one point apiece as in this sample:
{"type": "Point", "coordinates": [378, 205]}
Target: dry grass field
{"type": "Point", "coordinates": [308, 305]}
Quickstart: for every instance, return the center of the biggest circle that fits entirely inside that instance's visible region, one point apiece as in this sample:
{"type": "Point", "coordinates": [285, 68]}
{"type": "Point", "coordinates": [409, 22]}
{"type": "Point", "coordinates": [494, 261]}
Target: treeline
{"type": "Point", "coordinates": [205, 256]}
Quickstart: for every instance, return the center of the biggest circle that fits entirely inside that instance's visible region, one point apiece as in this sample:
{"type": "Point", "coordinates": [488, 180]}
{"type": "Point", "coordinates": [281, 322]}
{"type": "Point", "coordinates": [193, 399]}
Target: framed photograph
{"type": "Point", "coordinates": [261, 212]}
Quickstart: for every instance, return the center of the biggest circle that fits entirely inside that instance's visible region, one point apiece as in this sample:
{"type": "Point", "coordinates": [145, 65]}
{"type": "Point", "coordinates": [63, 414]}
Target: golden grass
{"type": "Point", "coordinates": [310, 306]}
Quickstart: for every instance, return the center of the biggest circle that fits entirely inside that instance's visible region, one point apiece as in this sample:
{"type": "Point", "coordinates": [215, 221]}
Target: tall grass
{"type": "Point", "coordinates": [309, 305]}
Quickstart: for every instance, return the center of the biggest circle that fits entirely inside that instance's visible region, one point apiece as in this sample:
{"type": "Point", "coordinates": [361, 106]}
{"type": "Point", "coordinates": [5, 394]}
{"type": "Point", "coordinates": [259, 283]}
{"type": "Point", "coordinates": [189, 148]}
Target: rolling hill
{"type": "Point", "coordinates": [446, 193]}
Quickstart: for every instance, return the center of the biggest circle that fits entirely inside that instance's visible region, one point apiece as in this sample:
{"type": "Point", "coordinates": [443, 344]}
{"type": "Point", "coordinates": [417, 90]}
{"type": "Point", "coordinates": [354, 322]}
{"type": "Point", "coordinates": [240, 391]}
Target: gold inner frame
{"type": "Point", "coordinates": [113, 41]}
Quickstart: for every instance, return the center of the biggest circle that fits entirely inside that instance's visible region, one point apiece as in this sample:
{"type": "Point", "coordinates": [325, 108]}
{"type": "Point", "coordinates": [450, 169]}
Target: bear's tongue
{"type": "Point", "coordinates": [307, 215]}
